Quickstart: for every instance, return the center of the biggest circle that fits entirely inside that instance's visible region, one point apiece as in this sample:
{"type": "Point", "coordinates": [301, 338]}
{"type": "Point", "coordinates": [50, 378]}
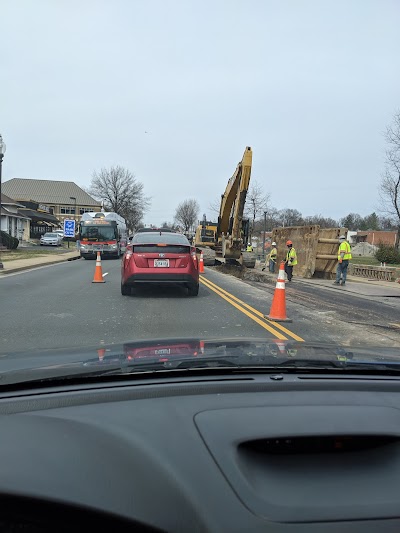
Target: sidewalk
{"type": "Point", "coordinates": [25, 264]}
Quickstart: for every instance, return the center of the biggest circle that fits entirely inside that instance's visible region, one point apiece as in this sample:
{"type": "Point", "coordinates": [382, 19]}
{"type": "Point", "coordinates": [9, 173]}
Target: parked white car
{"type": "Point", "coordinates": [50, 239]}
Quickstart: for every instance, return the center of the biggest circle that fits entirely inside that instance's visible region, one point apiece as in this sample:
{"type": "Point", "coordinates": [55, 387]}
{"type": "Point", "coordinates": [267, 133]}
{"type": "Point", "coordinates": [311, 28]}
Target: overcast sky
{"type": "Point", "coordinates": [309, 85]}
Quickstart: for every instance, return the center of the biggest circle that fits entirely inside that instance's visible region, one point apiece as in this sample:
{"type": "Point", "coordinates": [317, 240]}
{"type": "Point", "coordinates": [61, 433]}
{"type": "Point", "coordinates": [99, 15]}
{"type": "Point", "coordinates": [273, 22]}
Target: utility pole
{"type": "Point", "coordinates": [265, 230]}
{"type": "Point", "coordinates": [2, 152]}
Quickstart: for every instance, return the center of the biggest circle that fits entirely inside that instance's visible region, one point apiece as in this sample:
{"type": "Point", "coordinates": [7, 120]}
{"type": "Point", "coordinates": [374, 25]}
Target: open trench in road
{"type": "Point", "coordinates": [357, 321]}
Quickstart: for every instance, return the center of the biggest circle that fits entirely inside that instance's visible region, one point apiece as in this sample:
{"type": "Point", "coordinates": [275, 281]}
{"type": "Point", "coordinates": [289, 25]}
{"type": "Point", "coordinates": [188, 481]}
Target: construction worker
{"type": "Point", "coordinates": [272, 257]}
{"type": "Point", "coordinates": [249, 247]}
{"type": "Point", "coordinates": [344, 255]}
{"type": "Point", "coordinates": [290, 261]}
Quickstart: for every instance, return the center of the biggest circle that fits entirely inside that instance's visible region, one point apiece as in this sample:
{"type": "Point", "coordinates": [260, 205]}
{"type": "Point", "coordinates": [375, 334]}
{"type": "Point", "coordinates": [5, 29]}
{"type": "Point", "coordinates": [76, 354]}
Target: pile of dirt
{"type": "Point", "coordinates": [363, 249]}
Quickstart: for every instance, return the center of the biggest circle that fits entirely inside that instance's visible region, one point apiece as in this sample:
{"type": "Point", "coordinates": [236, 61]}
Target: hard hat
{"type": "Point", "coordinates": [288, 243]}
{"type": "Point", "coordinates": [274, 244]}
{"type": "Point", "coordinates": [342, 238]}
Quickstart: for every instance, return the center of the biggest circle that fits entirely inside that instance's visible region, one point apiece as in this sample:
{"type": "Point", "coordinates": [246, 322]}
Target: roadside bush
{"type": "Point", "coordinates": [10, 242]}
{"type": "Point", "coordinates": [387, 254]}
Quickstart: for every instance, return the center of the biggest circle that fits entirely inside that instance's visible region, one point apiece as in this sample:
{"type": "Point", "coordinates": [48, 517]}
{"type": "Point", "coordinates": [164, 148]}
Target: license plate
{"type": "Point", "coordinates": [98, 247]}
{"type": "Point", "coordinates": [163, 351]}
{"type": "Point", "coordinates": [163, 263]}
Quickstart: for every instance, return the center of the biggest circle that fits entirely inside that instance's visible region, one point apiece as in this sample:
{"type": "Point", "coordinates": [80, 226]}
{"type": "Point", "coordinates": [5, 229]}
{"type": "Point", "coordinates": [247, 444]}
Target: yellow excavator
{"type": "Point", "coordinates": [232, 230]}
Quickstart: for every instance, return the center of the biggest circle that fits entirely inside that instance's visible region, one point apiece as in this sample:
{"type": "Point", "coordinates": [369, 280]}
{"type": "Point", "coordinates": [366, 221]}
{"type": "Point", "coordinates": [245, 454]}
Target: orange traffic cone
{"type": "Point", "coordinates": [201, 263]}
{"type": "Point", "coordinates": [101, 353]}
{"type": "Point", "coordinates": [98, 273]}
{"type": "Point", "coordinates": [278, 307]}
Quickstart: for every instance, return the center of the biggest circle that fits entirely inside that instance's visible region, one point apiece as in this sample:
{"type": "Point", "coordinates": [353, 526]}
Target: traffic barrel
{"type": "Point", "coordinates": [201, 263]}
{"type": "Point", "coordinates": [98, 273]}
{"type": "Point", "coordinates": [278, 307]}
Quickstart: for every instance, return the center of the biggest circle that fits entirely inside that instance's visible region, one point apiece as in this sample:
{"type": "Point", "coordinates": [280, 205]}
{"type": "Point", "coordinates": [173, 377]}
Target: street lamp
{"type": "Point", "coordinates": [2, 152]}
{"type": "Point", "coordinates": [73, 198]}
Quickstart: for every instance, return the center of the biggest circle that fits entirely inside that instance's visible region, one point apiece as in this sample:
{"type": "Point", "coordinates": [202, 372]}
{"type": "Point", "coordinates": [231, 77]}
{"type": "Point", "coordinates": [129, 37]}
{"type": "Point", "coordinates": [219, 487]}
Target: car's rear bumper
{"type": "Point", "coordinates": [184, 279]}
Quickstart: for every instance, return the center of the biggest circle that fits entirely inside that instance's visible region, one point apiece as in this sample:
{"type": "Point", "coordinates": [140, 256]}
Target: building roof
{"type": "Point", "coordinates": [37, 216]}
{"type": "Point", "coordinates": [5, 212]}
{"type": "Point", "coordinates": [48, 191]}
{"type": "Point", "coordinates": [6, 200]}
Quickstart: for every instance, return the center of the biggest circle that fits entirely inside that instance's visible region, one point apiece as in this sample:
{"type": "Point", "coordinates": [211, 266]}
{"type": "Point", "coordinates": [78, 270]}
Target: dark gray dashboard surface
{"type": "Point", "coordinates": [169, 460]}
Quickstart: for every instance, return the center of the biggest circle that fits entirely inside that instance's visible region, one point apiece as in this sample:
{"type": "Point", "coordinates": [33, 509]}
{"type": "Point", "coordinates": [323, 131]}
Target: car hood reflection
{"type": "Point", "coordinates": [134, 355]}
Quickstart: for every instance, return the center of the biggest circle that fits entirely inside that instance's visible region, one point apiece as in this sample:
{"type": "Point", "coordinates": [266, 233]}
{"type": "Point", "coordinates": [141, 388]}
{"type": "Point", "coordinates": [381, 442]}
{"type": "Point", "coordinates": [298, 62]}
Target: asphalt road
{"type": "Point", "coordinates": [58, 307]}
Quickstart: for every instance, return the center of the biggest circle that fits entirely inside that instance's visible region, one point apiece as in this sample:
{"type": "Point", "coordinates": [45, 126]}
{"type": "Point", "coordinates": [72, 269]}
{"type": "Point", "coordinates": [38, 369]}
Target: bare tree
{"type": "Point", "coordinates": [256, 203]}
{"type": "Point", "coordinates": [187, 213]}
{"type": "Point", "coordinates": [121, 193]}
{"type": "Point", "coordinates": [320, 220]}
{"type": "Point", "coordinates": [389, 189]}
{"type": "Point", "coordinates": [291, 217]}
{"type": "Point", "coordinates": [215, 206]}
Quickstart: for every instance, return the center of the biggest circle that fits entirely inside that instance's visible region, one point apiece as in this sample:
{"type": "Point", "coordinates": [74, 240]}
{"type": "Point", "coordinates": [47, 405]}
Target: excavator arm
{"type": "Point", "coordinates": [230, 221]}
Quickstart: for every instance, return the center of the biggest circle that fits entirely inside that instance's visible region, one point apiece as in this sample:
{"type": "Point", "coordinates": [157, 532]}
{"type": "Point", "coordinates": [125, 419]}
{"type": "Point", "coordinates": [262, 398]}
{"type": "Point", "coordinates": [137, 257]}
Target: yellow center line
{"type": "Point", "coordinates": [262, 323]}
{"type": "Point", "coordinates": [255, 311]}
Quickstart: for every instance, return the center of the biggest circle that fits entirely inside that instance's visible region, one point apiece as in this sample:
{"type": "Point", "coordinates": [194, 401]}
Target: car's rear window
{"type": "Point", "coordinates": [157, 237]}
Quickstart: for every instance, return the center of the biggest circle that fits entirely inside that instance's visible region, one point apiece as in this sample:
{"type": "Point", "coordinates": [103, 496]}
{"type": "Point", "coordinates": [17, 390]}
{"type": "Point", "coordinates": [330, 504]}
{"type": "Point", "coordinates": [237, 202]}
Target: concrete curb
{"type": "Point", "coordinates": [11, 270]}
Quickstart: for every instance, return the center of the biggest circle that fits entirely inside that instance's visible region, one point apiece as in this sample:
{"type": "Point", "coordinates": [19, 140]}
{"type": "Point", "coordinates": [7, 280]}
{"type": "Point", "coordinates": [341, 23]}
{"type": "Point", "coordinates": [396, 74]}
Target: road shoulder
{"type": "Point", "coordinates": [18, 265]}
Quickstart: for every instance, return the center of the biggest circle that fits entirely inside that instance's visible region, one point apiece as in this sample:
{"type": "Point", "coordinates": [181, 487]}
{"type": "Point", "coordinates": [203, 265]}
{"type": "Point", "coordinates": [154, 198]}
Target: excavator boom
{"type": "Point", "coordinates": [231, 232]}
{"type": "Point", "coordinates": [232, 228]}
{"type": "Point", "coordinates": [234, 197]}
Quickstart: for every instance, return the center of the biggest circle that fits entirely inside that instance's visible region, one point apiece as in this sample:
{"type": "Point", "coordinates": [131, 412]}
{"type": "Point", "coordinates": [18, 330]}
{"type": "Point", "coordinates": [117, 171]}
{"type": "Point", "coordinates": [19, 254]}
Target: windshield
{"type": "Point", "coordinates": [103, 233]}
{"type": "Point", "coordinates": [207, 173]}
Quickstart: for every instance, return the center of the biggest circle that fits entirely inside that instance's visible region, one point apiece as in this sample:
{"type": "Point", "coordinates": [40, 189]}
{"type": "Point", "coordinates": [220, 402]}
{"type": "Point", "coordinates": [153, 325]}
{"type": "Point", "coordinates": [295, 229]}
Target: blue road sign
{"type": "Point", "coordinates": [69, 228]}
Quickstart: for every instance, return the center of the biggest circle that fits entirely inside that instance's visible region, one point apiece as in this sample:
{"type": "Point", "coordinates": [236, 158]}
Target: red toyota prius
{"type": "Point", "coordinates": [161, 258]}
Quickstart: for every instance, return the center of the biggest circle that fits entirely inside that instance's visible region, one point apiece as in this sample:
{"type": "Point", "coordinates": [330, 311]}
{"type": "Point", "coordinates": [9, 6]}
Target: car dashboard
{"type": "Point", "coordinates": [283, 452]}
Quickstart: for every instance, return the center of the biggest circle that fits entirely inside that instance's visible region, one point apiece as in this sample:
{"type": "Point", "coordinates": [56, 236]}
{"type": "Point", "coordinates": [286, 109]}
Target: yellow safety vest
{"type": "Point", "coordinates": [291, 257]}
{"type": "Point", "coordinates": [273, 254]}
{"type": "Point", "coordinates": [344, 247]}
{"type": "Point", "coordinates": [249, 249]}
